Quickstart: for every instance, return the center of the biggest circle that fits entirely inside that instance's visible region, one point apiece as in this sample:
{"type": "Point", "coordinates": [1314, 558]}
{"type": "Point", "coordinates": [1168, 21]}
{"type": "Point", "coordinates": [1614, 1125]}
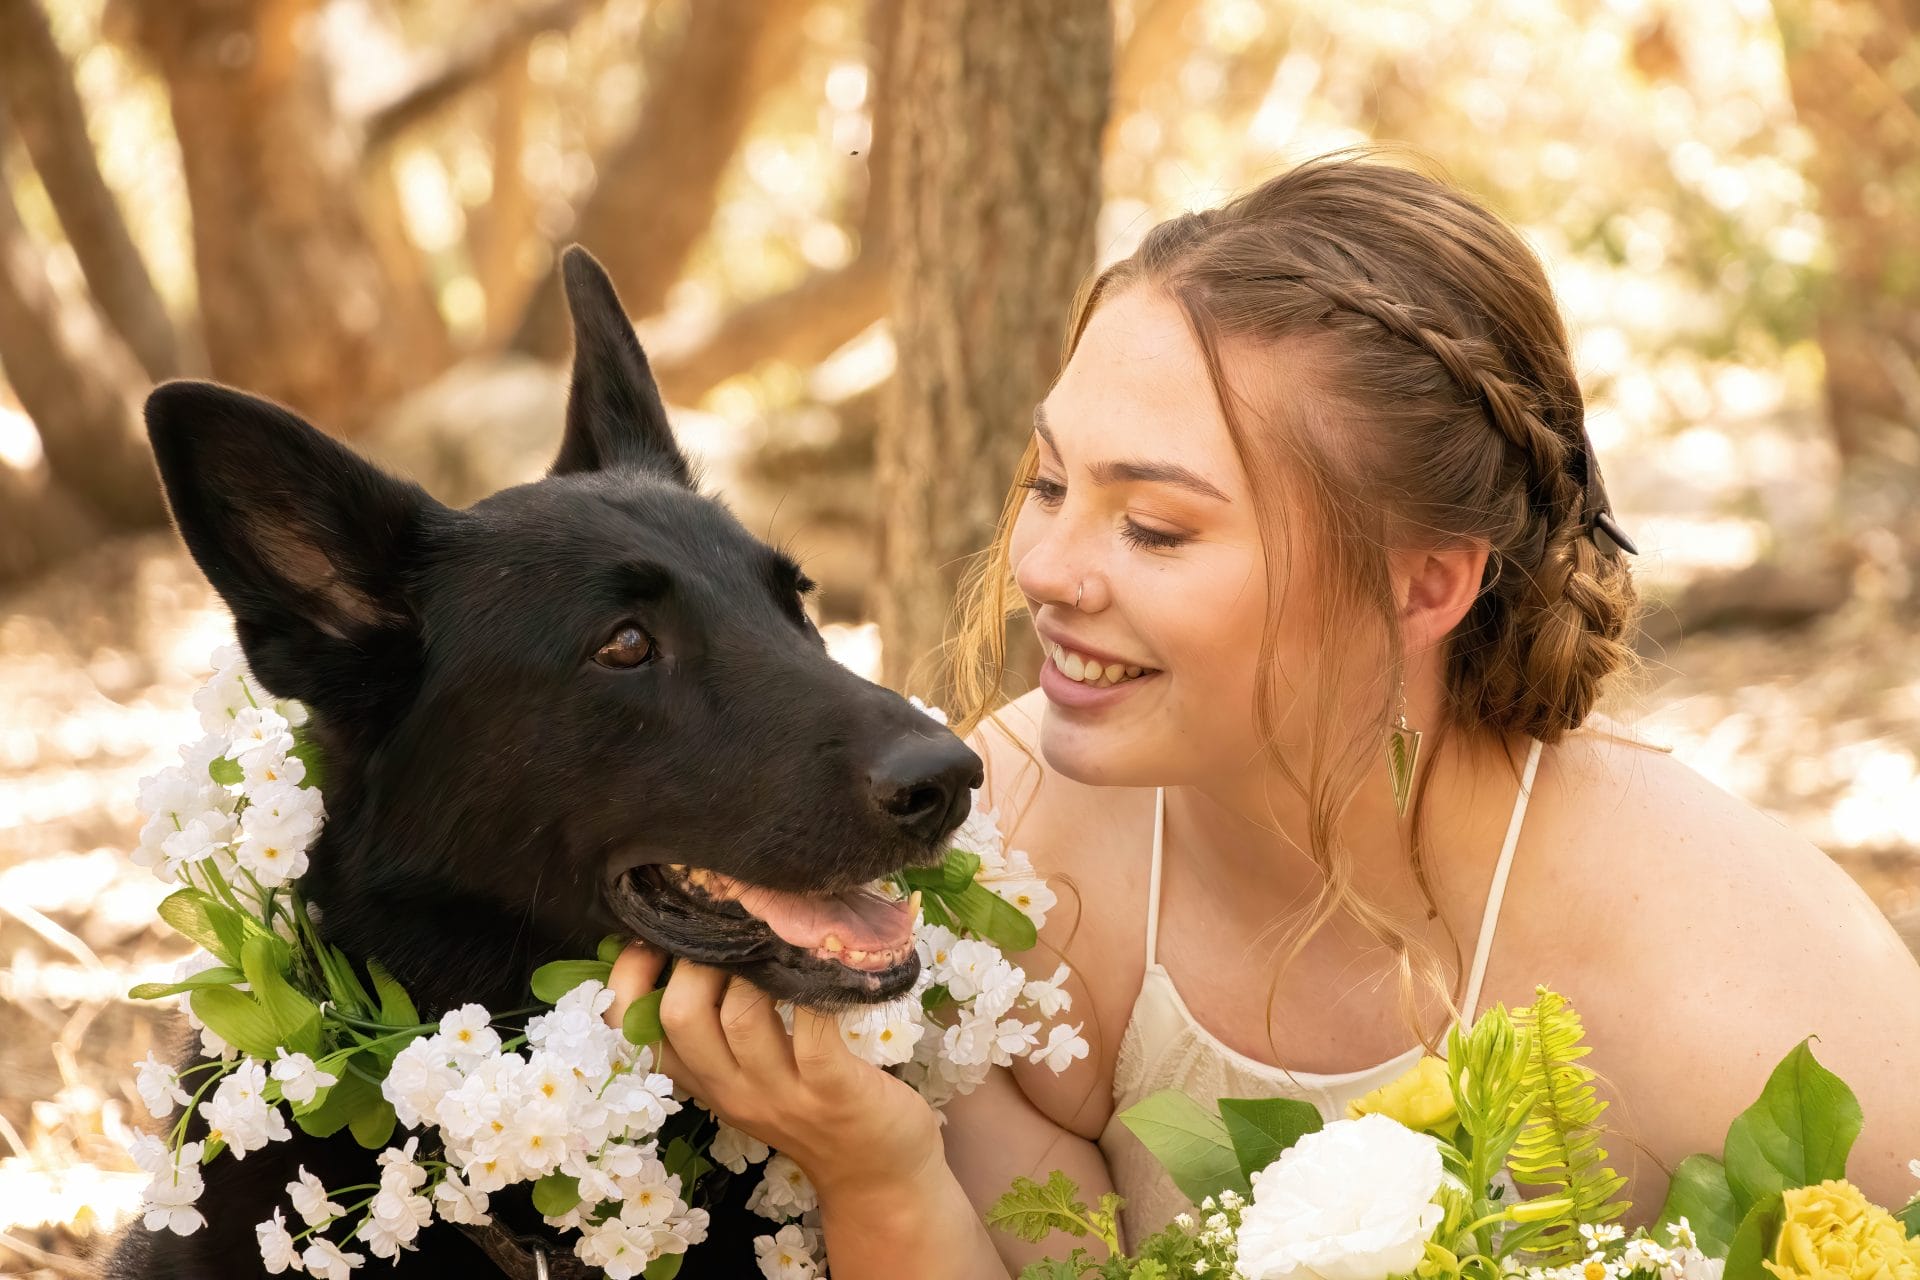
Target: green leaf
{"type": "Point", "coordinates": [959, 869]}
{"type": "Point", "coordinates": [1031, 1210]}
{"type": "Point", "coordinates": [373, 1124]}
{"type": "Point", "coordinates": [664, 1267]}
{"type": "Point", "coordinates": [986, 914]}
{"type": "Point", "coordinates": [683, 1160]}
{"type": "Point", "coordinates": [396, 1006]}
{"type": "Point", "coordinates": [1910, 1218]}
{"type": "Point", "coordinates": [237, 1019]}
{"type": "Point", "coordinates": [551, 981]}
{"type": "Point", "coordinates": [337, 1105]}
{"type": "Point", "coordinates": [218, 976]}
{"type": "Point", "coordinates": [343, 984]}
{"type": "Point", "coordinates": [935, 996]}
{"type": "Point", "coordinates": [309, 752]}
{"type": "Point", "coordinates": [1797, 1133]}
{"type": "Point", "coordinates": [1052, 1269]}
{"type": "Point", "coordinates": [1700, 1194]}
{"type": "Point", "coordinates": [225, 772]}
{"type": "Point", "coordinates": [296, 1019]}
{"type": "Point", "coordinates": [197, 916]}
{"type": "Point", "coordinates": [640, 1024]}
{"type": "Point", "coordinates": [609, 949]}
{"type": "Point", "coordinates": [1190, 1141]}
{"type": "Point", "coordinates": [1754, 1240]}
{"type": "Point", "coordinates": [1261, 1128]}
{"type": "Point", "coordinates": [555, 1194]}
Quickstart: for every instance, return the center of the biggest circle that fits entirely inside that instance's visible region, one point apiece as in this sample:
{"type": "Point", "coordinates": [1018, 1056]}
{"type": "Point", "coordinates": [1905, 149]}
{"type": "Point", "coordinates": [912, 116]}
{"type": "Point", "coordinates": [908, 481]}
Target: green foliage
{"type": "Point", "coordinates": [373, 1123]}
{"type": "Point", "coordinates": [338, 1105]}
{"type": "Point", "coordinates": [1699, 1192]}
{"type": "Point", "coordinates": [684, 1161]}
{"type": "Point", "coordinates": [296, 1019]}
{"type": "Point", "coordinates": [308, 752]}
{"type": "Point", "coordinates": [1558, 1149]}
{"type": "Point", "coordinates": [218, 976]}
{"type": "Point", "coordinates": [609, 949]}
{"type": "Point", "coordinates": [555, 1194]}
{"type": "Point", "coordinates": [551, 981]}
{"type": "Point", "coordinates": [1797, 1133]}
{"type": "Point", "coordinates": [640, 1024]}
{"type": "Point", "coordinates": [1262, 1128]}
{"type": "Point", "coordinates": [1191, 1141]}
{"type": "Point", "coordinates": [225, 772]}
{"type": "Point", "coordinates": [1033, 1210]}
{"type": "Point", "coordinates": [196, 915]}
{"type": "Point", "coordinates": [1487, 1069]}
{"type": "Point", "coordinates": [1753, 1242]}
{"type": "Point", "coordinates": [238, 1019]}
{"type": "Point", "coordinates": [949, 896]}
{"type": "Point", "coordinates": [664, 1267]}
{"type": "Point", "coordinates": [396, 1006]}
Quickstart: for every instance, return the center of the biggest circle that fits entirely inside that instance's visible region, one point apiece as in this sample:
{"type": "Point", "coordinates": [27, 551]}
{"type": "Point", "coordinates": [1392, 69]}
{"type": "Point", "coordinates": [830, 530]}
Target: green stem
{"type": "Point", "coordinates": [180, 1126]}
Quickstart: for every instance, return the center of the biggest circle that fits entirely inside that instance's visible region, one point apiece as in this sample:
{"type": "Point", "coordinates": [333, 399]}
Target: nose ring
{"type": "Point", "coordinates": [1079, 590]}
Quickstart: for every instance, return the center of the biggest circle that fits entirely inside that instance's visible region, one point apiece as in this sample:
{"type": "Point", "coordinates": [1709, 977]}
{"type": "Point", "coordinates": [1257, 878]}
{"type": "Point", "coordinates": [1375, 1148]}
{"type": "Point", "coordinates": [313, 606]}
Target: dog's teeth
{"type": "Point", "coordinates": [856, 956]}
{"type": "Point", "coordinates": [681, 867]}
{"type": "Point", "coordinates": [913, 905]}
{"type": "Point", "coordinates": [832, 944]}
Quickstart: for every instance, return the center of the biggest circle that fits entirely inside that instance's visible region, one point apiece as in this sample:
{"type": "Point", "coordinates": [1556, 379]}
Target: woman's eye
{"type": "Point", "coordinates": [1049, 493]}
{"type": "Point", "coordinates": [1153, 539]}
{"type": "Point", "coordinates": [630, 647]}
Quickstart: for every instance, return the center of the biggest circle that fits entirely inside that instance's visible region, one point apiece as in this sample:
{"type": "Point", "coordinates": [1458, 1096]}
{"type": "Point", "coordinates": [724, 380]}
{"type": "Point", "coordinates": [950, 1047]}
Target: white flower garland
{"type": "Point", "coordinates": [563, 1102]}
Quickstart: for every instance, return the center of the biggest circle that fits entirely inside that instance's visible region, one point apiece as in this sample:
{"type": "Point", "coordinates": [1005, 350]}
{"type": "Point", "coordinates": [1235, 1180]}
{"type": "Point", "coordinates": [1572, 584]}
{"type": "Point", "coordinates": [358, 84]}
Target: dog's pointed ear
{"type": "Point", "coordinates": [310, 545]}
{"type": "Point", "coordinates": [615, 417]}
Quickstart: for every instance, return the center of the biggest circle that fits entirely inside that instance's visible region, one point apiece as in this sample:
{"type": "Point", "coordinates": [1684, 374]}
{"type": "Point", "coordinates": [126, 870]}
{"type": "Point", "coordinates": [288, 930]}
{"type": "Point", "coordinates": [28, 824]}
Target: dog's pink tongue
{"type": "Point", "coordinates": [862, 920]}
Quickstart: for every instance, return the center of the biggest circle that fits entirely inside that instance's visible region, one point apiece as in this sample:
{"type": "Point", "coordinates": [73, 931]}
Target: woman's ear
{"type": "Point", "coordinates": [1433, 589]}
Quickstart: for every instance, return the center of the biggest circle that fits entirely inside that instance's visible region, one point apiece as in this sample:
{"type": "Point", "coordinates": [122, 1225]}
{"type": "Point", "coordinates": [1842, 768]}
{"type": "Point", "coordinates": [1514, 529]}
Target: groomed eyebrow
{"type": "Point", "coordinates": [1134, 470]}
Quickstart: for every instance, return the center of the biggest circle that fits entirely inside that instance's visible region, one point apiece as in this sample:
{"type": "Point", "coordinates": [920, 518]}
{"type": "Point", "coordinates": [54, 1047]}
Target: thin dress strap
{"type": "Point", "coordinates": [1497, 891]}
{"type": "Point", "coordinates": [1153, 875]}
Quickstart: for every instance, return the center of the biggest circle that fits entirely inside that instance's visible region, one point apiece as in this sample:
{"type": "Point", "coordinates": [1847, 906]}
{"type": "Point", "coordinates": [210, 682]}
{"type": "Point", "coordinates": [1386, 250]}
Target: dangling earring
{"type": "Point", "coordinates": [1403, 754]}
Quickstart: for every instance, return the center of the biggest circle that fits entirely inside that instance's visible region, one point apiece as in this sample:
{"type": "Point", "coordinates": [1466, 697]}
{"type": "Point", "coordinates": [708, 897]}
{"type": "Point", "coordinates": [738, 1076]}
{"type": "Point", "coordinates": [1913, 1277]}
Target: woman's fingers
{"type": "Point", "coordinates": [690, 1015]}
{"type": "Point", "coordinates": [818, 1051]}
{"type": "Point", "coordinates": [634, 974]}
{"type": "Point", "coordinates": [754, 1031]}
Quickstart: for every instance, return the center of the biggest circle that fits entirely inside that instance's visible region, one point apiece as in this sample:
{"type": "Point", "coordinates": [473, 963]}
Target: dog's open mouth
{"type": "Point", "coordinates": [854, 945]}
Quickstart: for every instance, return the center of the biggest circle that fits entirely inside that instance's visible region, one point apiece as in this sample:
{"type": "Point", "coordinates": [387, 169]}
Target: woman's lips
{"type": "Point", "coordinates": [1064, 691]}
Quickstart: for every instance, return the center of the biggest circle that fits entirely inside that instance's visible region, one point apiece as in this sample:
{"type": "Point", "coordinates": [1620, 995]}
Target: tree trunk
{"type": "Point", "coordinates": [294, 299]}
{"type": "Point", "coordinates": [996, 184]}
{"type": "Point", "coordinates": [1850, 70]}
{"type": "Point", "coordinates": [79, 384]}
{"type": "Point", "coordinates": [658, 188]}
{"type": "Point", "coordinates": [37, 87]}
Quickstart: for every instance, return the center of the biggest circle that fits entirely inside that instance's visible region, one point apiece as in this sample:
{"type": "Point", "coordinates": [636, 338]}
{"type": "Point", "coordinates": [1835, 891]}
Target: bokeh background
{"type": "Point", "coordinates": [849, 230]}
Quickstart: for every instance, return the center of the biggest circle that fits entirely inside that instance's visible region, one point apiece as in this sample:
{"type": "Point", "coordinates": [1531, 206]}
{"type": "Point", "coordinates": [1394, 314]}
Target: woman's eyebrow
{"type": "Point", "coordinates": [1124, 470]}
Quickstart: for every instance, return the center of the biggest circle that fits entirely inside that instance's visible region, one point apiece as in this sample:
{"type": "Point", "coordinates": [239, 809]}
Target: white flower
{"type": "Point", "coordinates": [326, 1262]}
{"type": "Point", "coordinates": [883, 1034]}
{"type": "Point", "coordinates": [174, 1186]}
{"type": "Point", "coordinates": [273, 859]}
{"type": "Point", "coordinates": [1597, 1238]}
{"type": "Point", "coordinates": [1049, 998]}
{"type": "Point", "coordinates": [735, 1149]}
{"type": "Point", "coordinates": [239, 1114]}
{"type": "Point", "coordinates": [260, 730]}
{"type": "Point", "coordinates": [786, 1255]}
{"type": "Point", "coordinates": [310, 1200]}
{"type": "Point", "coordinates": [468, 1034]}
{"type": "Point", "coordinates": [935, 944]}
{"type": "Point", "coordinates": [974, 966]}
{"type": "Point", "coordinates": [784, 1191]}
{"type": "Point", "coordinates": [159, 1086]}
{"type": "Point", "coordinates": [1642, 1254]}
{"type": "Point", "coordinates": [1012, 1039]}
{"type": "Point", "coordinates": [393, 1220]}
{"type": "Point", "coordinates": [460, 1203]}
{"type": "Point", "coordinates": [277, 1250]}
{"type": "Point", "coordinates": [1913, 1167]}
{"type": "Point", "coordinates": [299, 1079]}
{"type": "Point", "coordinates": [418, 1079]}
{"type": "Point", "coordinates": [1029, 894]}
{"type": "Point", "coordinates": [1682, 1233]}
{"type": "Point", "coordinates": [193, 843]}
{"type": "Point", "coordinates": [1354, 1201]}
{"type": "Point", "coordinates": [1063, 1046]}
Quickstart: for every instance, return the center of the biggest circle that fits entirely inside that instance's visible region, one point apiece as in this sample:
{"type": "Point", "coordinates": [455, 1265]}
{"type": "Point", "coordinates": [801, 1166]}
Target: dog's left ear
{"type": "Point", "coordinates": [615, 417]}
{"type": "Point", "coordinates": [311, 546]}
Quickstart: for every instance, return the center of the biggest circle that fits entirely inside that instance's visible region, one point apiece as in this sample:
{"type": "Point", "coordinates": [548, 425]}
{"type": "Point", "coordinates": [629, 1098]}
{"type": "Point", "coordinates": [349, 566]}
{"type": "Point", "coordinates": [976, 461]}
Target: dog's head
{"type": "Point", "coordinates": [586, 703]}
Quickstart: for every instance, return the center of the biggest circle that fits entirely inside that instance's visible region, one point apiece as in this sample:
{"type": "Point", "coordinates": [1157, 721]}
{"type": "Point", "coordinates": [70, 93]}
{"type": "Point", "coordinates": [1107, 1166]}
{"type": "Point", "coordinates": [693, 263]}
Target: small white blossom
{"type": "Point", "coordinates": [458, 1202]}
{"type": "Point", "coordinates": [299, 1079]}
{"type": "Point", "coordinates": [277, 1251]}
{"type": "Point", "coordinates": [310, 1200]}
{"type": "Point", "coordinates": [326, 1261]}
{"type": "Point", "coordinates": [174, 1187]}
{"type": "Point", "coordinates": [735, 1149]}
{"type": "Point", "coordinates": [1049, 997]}
{"type": "Point", "coordinates": [468, 1034]}
{"type": "Point", "coordinates": [159, 1087]}
{"type": "Point", "coordinates": [786, 1255]}
{"type": "Point", "coordinates": [1063, 1046]}
{"type": "Point", "coordinates": [784, 1191]}
{"type": "Point", "coordinates": [239, 1114]}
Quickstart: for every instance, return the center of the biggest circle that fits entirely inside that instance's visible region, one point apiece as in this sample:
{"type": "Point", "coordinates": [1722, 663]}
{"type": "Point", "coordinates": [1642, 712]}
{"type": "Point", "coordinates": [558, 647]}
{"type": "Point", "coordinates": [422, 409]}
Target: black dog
{"type": "Point", "coordinates": [588, 705]}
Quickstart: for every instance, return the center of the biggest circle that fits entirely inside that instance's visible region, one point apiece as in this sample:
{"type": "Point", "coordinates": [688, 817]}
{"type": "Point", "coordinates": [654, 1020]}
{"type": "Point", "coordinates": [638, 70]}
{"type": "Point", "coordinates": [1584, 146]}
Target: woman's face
{"type": "Point", "coordinates": [1142, 509]}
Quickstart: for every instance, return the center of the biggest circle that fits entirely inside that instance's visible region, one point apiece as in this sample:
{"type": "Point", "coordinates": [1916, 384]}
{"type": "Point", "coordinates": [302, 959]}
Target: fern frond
{"type": "Point", "coordinates": [1558, 1151]}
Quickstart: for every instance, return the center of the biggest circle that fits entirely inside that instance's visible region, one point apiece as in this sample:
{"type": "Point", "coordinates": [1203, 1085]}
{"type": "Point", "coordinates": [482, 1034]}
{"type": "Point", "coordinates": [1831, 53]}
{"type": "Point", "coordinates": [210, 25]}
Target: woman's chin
{"type": "Point", "coordinates": [1097, 757]}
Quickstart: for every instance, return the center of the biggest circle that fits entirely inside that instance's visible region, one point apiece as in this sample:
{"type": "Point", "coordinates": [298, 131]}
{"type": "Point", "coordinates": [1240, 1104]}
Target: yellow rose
{"type": "Point", "coordinates": [1420, 1099]}
{"type": "Point", "coordinates": [1832, 1232]}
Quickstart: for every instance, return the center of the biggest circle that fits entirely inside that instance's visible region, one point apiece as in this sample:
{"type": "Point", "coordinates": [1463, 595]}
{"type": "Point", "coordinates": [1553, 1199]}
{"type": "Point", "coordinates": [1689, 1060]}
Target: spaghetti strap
{"type": "Point", "coordinates": [1497, 891]}
{"type": "Point", "coordinates": [1153, 875]}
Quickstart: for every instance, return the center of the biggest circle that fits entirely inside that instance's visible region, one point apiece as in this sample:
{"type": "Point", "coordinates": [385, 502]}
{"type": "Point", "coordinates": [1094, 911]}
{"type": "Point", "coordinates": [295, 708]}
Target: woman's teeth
{"type": "Point", "coordinates": [1087, 670]}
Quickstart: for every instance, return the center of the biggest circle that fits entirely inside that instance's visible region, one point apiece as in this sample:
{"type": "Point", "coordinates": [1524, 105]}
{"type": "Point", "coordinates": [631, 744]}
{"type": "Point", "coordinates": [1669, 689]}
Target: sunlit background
{"type": "Point", "coordinates": [1727, 195]}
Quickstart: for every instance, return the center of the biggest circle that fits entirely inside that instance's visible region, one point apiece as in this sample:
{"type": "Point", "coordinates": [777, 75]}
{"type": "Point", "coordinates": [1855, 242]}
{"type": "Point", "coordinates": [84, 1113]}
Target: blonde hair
{"type": "Point", "coordinates": [1437, 405]}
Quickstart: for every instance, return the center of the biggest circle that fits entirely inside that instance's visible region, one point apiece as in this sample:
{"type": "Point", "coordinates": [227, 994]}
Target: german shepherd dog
{"type": "Point", "coordinates": [569, 710]}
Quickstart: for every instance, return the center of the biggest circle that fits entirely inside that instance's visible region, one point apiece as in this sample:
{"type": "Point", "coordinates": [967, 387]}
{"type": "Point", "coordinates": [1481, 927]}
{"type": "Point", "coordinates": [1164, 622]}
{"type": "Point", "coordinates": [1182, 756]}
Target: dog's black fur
{"type": "Point", "coordinates": [498, 787]}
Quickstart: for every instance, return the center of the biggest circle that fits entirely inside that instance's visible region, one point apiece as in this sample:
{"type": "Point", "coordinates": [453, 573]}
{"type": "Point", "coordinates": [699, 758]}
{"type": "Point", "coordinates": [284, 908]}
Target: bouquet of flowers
{"type": "Point", "coordinates": [293, 1031]}
{"type": "Point", "coordinates": [1419, 1179]}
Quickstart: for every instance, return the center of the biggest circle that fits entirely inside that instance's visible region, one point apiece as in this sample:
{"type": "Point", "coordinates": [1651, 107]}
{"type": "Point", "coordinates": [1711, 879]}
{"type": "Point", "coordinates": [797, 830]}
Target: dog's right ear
{"type": "Point", "coordinates": [311, 546]}
{"type": "Point", "coordinates": [615, 417]}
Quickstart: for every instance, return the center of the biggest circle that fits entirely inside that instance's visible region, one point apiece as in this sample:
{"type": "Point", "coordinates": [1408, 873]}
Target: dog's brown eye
{"type": "Point", "coordinates": [630, 647]}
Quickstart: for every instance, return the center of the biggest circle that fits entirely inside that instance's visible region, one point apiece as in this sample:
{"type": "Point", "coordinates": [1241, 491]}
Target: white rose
{"type": "Point", "coordinates": [1354, 1201]}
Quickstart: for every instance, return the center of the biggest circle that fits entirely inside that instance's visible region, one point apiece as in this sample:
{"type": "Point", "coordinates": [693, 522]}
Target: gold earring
{"type": "Point", "coordinates": [1403, 755]}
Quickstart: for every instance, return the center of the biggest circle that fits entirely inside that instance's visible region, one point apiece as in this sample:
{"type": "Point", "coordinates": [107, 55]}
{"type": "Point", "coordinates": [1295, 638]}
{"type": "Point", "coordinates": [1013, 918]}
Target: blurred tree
{"type": "Point", "coordinates": [994, 187]}
{"type": "Point", "coordinates": [1854, 70]}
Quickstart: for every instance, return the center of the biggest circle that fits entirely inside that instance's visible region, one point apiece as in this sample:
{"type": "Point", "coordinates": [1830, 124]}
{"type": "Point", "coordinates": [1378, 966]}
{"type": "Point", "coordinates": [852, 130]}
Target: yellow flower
{"type": "Point", "coordinates": [1420, 1099]}
{"type": "Point", "coordinates": [1832, 1232]}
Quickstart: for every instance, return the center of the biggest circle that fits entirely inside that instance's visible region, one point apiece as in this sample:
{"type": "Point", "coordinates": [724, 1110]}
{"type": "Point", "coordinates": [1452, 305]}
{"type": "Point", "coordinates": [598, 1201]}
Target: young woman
{"type": "Point", "coordinates": [1315, 477]}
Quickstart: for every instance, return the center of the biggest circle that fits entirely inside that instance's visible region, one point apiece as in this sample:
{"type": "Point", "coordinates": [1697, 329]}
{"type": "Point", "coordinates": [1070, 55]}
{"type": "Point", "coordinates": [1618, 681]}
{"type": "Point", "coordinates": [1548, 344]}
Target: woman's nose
{"type": "Point", "coordinates": [1054, 569]}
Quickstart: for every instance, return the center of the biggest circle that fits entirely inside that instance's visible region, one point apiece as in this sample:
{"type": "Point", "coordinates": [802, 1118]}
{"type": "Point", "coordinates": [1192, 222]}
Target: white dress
{"type": "Point", "coordinates": [1165, 1047]}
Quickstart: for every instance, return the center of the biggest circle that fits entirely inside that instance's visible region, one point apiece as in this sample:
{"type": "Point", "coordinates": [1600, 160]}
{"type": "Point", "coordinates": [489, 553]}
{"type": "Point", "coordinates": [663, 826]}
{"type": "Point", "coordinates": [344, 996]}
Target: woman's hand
{"type": "Point", "coordinates": [849, 1125]}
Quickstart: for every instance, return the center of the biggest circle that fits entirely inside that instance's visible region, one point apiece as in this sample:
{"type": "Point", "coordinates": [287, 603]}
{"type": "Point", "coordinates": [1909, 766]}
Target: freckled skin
{"type": "Point", "coordinates": [500, 756]}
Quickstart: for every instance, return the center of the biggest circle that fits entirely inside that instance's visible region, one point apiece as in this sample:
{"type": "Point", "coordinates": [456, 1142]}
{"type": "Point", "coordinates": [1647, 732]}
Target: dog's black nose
{"type": "Point", "coordinates": [925, 784]}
